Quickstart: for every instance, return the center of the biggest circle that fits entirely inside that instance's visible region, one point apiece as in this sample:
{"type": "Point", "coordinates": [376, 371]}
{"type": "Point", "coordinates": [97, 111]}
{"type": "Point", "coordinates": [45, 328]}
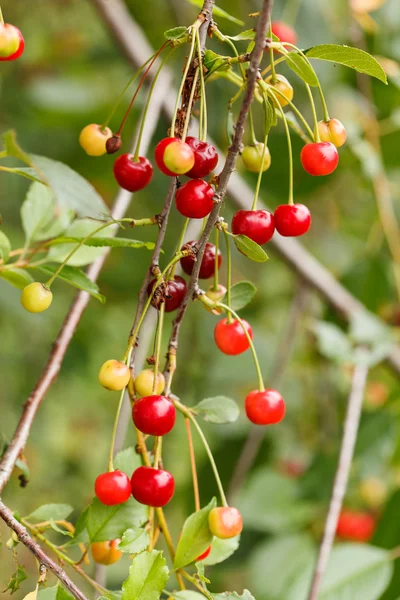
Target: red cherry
{"type": "Point", "coordinates": [133, 175]}
{"type": "Point", "coordinates": [10, 38]}
{"type": "Point", "coordinates": [174, 157]}
{"type": "Point", "coordinates": [355, 526]}
{"type": "Point", "coordinates": [153, 487]}
{"type": "Point", "coordinates": [205, 158]}
{"type": "Point", "coordinates": [258, 225]}
{"type": "Point", "coordinates": [207, 268]}
{"type": "Point", "coordinates": [265, 408]}
{"type": "Point", "coordinates": [194, 199]}
{"type": "Point", "coordinates": [231, 338]}
{"type": "Point", "coordinates": [320, 158]}
{"type": "Point", "coordinates": [204, 555]}
{"type": "Point", "coordinates": [292, 220]}
{"type": "Point", "coordinates": [112, 488]}
{"type": "Point", "coordinates": [284, 32]}
{"type": "Point", "coordinates": [154, 415]}
{"type": "Point", "coordinates": [225, 522]}
{"type": "Point", "coordinates": [174, 291]}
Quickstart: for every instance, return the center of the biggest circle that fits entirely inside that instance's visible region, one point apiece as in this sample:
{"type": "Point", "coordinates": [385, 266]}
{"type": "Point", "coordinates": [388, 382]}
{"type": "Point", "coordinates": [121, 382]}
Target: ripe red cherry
{"type": "Point", "coordinates": [112, 488]}
{"type": "Point", "coordinates": [231, 338]}
{"type": "Point", "coordinates": [320, 158]}
{"type": "Point", "coordinates": [133, 175]}
{"type": "Point", "coordinates": [265, 408]}
{"type": "Point", "coordinates": [355, 526]}
{"type": "Point", "coordinates": [205, 158]}
{"type": "Point", "coordinates": [174, 157]}
{"type": "Point", "coordinates": [284, 32]}
{"type": "Point", "coordinates": [154, 415]}
{"type": "Point", "coordinates": [173, 291]}
{"type": "Point", "coordinates": [153, 487]}
{"type": "Point", "coordinates": [194, 199]}
{"type": "Point", "coordinates": [12, 42]}
{"type": "Point", "coordinates": [258, 225]}
{"type": "Point", "coordinates": [292, 220]}
{"type": "Point", "coordinates": [204, 555]}
{"type": "Point", "coordinates": [207, 268]}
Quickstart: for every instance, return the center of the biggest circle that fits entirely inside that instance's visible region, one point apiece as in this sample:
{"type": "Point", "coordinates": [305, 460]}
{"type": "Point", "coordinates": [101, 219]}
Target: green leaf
{"type": "Point", "coordinates": [5, 246]}
{"type": "Point", "coordinates": [217, 12]}
{"type": "Point", "coordinates": [79, 229]}
{"type": "Point", "coordinates": [332, 342]}
{"type": "Point", "coordinates": [127, 460]}
{"type": "Point", "coordinates": [354, 58]}
{"type": "Point", "coordinates": [80, 535]}
{"type": "Point", "coordinates": [99, 242]}
{"type": "Point", "coordinates": [148, 576]}
{"type": "Point", "coordinates": [221, 550]}
{"type": "Point", "coordinates": [46, 512]}
{"type": "Point", "coordinates": [270, 118]}
{"type": "Point", "coordinates": [233, 596]}
{"type": "Point", "coordinates": [215, 62]}
{"type": "Point", "coordinates": [37, 210]}
{"type": "Point", "coordinates": [219, 409]}
{"type": "Point", "coordinates": [110, 522]}
{"type": "Point", "coordinates": [242, 293]}
{"type": "Point", "coordinates": [76, 278]}
{"type": "Point", "coordinates": [71, 190]}
{"type": "Point", "coordinates": [196, 537]}
{"type": "Point", "coordinates": [12, 147]}
{"type": "Point", "coordinates": [188, 595]}
{"type": "Point", "coordinates": [230, 125]}
{"type": "Point", "coordinates": [248, 34]}
{"type": "Point", "coordinates": [249, 248]}
{"type": "Point", "coordinates": [354, 571]}
{"type": "Point", "coordinates": [134, 541]}
{"type": "Point", "coordinates": [176, 33]}
{"type": "Point", "coordinates": [28, 173]}
{"type": "Point", "coordinates": [53, 593]}
{"type": "Point", "coordinates": [18, 577]}
{"type": "Point", "coordinates": [19, 278]}
{"type": "Point", "coordinates": [301, 67]}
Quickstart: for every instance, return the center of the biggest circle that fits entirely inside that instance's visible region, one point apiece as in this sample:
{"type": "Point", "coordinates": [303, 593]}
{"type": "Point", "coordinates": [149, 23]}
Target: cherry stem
{"type": "Point", "coordinates": [185, 74]}
{"type": "Point", "coordinates": [187, 413]}
{"type": "Point", "coordinates": [203, 124]}
{"type": "Point", "coordinates": [158, 344]}
{"type": "Point", "coordinates": [157, 451]}
{"type": "Point", "coordinates": [179, 245]}
{"type": "Point", "coordinates": [147, 105]}
{"type": "Point", "coordinates": [261, 171]}
{"type": "Point", "coordinates": [153, 60]}
{"type": "Point", "coordinates": [253, 139]}
{"type": "Point", "coordinates": [197, 585]}
{"type": "Point", "coordinates": [115, 427]}
{"type": "Point", "coordinates": [193, 465]}
{"type": "Point", "coordinates": [289, 143]}
{"type": "Point", "coordinates": [266, 87]}
{"type": "Point", "coordinates": [190, 105]}
{"type": "Point", "coordinates": [314, 112]}
{"type": "Point", "coordinates": [253, 350]}
{"type": "Point", "coordinates": [216, 265]}
{"type": "Point", "coordinates": [170, 544]}
{"type": "Point", "coordinates": [271, 56]}
{"type": "Point", "coordinates": [229, 272]}
{"type": "Point", "coordinates": [122, 94]}
{"type": "Point", "coordinates": [1, 17]}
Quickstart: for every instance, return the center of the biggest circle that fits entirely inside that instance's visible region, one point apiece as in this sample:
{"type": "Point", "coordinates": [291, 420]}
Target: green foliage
{"type": "Point", "coordinates": [5, 246]}
{"type": "Point", "coordinates": [110, 522]}
{"type": "Point", "coordinates": [134, 540]}
{"type": "Point", "coordinates": [148, 576]}
{"type": "Point", "coordinates": [57, 512]}
{"type": "Point", "coordinates": [196, 537]}
{"type": "Point", "coordinates": [221, 550]}
{"type": "Point", "coordinates": [356, 59]}
{"type": "Point", "coordinates": [218, 12]}
{"type": "Point", "coordinates": [242, 293]}
{"type": "Point", "coordinates": [16, 579]}
{"type": "Point", "coordinates": [76, 278]}
{"type": "Point", "coordinates": [219, 409]}
{"type": "Point", "coordinates": [19, 278]}
{"type": "Point", "coordinates": [53, 593]}
{"type": "Point", "coordinates": [249, 248]}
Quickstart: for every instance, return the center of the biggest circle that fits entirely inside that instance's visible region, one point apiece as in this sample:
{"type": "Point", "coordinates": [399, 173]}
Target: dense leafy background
{"type": "Point", "coordinates": [69, 75]}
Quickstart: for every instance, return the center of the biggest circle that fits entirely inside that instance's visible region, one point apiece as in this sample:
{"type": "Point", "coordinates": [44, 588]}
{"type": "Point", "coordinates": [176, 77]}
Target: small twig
{"type": "Point", "coordinates": [350, 431]}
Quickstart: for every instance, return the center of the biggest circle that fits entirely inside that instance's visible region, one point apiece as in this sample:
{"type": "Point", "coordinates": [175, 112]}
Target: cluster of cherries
{"type": "Point", "coordinates": [152, 414]}
{"type": "Point", "coordinates": [12, 42]}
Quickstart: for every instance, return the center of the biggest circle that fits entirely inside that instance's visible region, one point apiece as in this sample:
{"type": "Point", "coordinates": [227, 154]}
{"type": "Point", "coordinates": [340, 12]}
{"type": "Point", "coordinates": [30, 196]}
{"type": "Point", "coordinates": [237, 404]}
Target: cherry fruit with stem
{"type": "Point", "coordinates": [152, 487]}
{"type": "Point", "coordinates": [113, 488]}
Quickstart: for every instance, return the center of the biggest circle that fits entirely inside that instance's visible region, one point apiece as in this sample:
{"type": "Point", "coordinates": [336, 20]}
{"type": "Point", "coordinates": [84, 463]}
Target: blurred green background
{"type": "Point", "coordinates": [69, 76]}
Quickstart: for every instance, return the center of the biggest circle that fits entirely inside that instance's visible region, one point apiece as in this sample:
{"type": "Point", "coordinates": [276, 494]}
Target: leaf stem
{"type": "Point", "coordinates": [216, 262]}
{"type": "Point", "coordinates": [289, 144]}
{"type": "Point", "coordinates": [229, 272]}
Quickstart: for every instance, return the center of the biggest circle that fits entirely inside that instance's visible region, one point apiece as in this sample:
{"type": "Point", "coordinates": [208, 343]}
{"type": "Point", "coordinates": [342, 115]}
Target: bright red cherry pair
{"type": "Point", "coordinates": [12, 42]}
{"type": "Point", "coordinates": [230, 338]}
{"type": "Point", "coordinates": [265, 407]}
{"type": "Point", "coordinates": [258, 225]}
{"type": "Point", "coordinates": [319, 158]}
{"type": "Point", "coordinates": [133, 175]}
{"type": "Point", "coordinates": [174, 292]}
{"type": "Point", "coordinates": [207, 268]}
{"type": "Point", "coordinates": [154, 415]}
{"type": "Point", "coordinates": [194, 199]}
{"type": "Point", "coordinates": [356, 526]}
{"type": "Point", "coordinates": [153, 487]}
{"type": "Point", "coordinates": [292, 220]}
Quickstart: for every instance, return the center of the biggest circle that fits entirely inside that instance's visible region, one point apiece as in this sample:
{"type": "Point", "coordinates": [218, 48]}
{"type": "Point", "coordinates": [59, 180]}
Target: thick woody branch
{"type": "Point", "coordinates": [350, 432]}
{"type": "Point", "coordinates": [42, 557]}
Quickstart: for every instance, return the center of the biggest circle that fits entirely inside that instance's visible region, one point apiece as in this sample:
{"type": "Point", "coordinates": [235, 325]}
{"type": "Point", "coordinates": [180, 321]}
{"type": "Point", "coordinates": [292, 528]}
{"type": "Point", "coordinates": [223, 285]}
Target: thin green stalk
{"type": "Point", "coordinates": [253, 350]}
{"type": "Point", "coordinates": [158, 341]}
{"type": "Point", "coordinates": [216, 261]}
{"type": "Point", "coordinates": [314, 113]}
{"type": "Point", "coordinates": [157, 451]}
{"type": "Point", "coordinates": [1, 16]}
{"type": "Point", "coordinates": [180, 91]}
{"type": "Point", "coordinates": [185, 411]}
{"type": "Point", "coordinates": [146, 108]}
{"type": "Point", "coordinates": [229, 272]}
{"type": "Point", "coordinates": [261, 171]}
{"type": "Point", "coordinates": [253, 139]}
{"type": "Point", "coordinates": [203, 126]}
{"type": "Point", "coordinates": [266, 86]}
{"type": "Point", "coordinates": [290, 150]}
{"type": "Point", "coordinates": [115, 427]}
{"type": "Point", "coordinates": [271, 56]}
{"type": "Point", "coordinates": [190, 105]}
{"type": "Point", "coordinates": [179, 245]}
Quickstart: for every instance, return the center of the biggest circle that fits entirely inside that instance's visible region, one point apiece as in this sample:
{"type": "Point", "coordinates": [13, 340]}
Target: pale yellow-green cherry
{"type": "Point", "coordinates": [282, 85]}
{"type": "Point", "coordinates": [332, 131]}
{"type": "Point", "coordinates": [36, 297]}
{"type": "Point", "coordinates": [144, 383]}
{"type": "Point", "coordinates": [114, 375]}
{"type": "Point", "coordinates": [255, 158]}
{"type": "Point", "coordinates": [93, 139]}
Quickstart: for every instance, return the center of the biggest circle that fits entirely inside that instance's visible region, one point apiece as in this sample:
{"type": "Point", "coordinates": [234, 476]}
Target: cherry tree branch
{"type": "Point", "coordinates": [350, 432]}
{"type": "Point", "coordinates": [29, 542]}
